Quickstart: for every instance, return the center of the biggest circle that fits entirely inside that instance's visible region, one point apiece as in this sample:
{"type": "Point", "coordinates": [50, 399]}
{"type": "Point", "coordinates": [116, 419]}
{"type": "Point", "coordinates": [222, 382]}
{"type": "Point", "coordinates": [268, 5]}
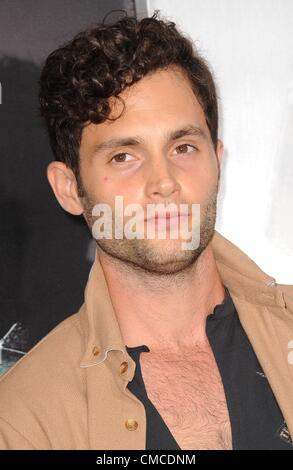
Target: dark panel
{"type": "Point", "coordinates": [45, 253]}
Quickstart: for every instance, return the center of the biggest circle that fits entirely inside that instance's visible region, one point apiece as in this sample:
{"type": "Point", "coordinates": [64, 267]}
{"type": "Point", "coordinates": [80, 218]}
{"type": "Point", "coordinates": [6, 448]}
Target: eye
{"type": "Point", "coordinates": [120, 157]}
{"type": "Point", "coordinates": [183, 148]}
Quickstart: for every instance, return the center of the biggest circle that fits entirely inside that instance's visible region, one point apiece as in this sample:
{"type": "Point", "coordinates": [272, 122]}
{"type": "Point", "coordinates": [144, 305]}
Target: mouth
{"type": "Point", "coordinates": [168, 216]}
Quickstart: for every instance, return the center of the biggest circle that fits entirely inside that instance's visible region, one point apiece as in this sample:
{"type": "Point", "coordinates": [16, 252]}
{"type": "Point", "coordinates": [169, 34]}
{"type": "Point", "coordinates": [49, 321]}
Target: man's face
{"type": "Point", "coordinates": [149, 167]}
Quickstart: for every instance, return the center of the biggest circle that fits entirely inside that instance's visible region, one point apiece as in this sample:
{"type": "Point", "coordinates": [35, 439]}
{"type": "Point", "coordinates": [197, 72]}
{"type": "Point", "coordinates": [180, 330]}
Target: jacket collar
{"type": "Point", "coordinates": [102, 334]}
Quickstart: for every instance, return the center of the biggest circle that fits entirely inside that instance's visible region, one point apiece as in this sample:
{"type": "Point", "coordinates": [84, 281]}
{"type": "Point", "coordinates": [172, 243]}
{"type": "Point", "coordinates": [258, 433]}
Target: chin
{"type": "Point", "coordinates": [167, 258]}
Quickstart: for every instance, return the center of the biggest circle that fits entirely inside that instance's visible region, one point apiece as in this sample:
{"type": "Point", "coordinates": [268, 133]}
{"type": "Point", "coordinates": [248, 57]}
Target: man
{"type": "Point", "coordinates": [173, 348]}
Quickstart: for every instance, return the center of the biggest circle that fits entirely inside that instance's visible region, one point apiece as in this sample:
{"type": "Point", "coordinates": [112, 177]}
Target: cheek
{"type": "Point", "coordinates": [201, 180]}
{"type": "Point", "coordinates": [108, 187]}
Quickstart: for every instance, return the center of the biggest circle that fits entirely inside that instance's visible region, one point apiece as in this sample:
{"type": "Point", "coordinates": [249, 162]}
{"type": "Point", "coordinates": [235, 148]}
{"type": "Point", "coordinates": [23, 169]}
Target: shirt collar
{"type": "Point", "coordinates": [102, 334]}
{"type": "Point", "coordinates": [100, 326]}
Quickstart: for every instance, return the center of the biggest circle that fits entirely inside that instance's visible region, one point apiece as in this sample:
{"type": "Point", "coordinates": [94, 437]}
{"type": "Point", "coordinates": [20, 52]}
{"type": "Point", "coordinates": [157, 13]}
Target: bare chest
{"type": "Point", "coordinates": [188, 393]}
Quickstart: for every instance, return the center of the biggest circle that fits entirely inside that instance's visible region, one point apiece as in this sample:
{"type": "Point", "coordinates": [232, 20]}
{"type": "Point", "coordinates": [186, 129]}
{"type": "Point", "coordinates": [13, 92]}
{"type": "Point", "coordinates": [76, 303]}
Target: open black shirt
{"type": "Point", "coordinates": [256, 419]}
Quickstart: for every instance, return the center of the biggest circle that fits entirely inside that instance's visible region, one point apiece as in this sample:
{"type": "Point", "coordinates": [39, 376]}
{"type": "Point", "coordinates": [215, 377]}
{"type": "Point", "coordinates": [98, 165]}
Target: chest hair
{"type": "Point", "coordinates": [188, 393]}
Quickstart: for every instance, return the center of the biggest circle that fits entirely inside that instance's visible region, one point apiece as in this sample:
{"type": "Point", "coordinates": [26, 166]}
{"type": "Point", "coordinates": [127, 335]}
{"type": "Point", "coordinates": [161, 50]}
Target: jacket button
{"type": "Point", "coordinates": [123, 367]}
{"type": "Point", "coordinates": [131, 424]}
{"type": "Point", "coordinates": [96, 351]}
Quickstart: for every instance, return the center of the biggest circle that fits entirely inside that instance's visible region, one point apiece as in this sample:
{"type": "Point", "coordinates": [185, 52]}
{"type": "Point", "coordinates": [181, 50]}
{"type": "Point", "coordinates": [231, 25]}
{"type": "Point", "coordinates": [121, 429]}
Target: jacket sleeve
{"type": "Point", "coordinates": [11, 439]}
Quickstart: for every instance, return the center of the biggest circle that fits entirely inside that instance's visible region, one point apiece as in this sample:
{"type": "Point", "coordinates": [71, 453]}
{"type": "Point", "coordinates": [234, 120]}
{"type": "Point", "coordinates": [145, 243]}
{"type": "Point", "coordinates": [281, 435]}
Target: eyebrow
{"type": "Point", "coordinates": [189, 130]}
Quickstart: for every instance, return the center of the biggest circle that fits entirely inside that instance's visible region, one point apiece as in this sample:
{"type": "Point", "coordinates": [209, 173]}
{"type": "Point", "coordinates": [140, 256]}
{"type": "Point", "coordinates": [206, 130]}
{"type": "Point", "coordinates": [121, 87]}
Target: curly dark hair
{"type": "Point", "coordinates": [78, 79]}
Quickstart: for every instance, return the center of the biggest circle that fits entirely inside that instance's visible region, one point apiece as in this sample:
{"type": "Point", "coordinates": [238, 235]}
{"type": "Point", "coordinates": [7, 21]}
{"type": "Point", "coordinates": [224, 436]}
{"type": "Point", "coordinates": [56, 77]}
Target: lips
{"type": "Point", "coordinates": [166, 216]}
{"type": "Point", "coordinates": [167, 213]}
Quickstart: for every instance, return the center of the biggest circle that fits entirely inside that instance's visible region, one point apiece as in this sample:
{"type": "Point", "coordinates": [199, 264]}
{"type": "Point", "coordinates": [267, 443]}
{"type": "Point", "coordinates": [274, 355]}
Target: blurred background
{"type": "Point", "coordinates": [45, 253]}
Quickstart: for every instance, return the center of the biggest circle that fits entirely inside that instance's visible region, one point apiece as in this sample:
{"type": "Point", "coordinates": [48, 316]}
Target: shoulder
{"type": "Point", "coordinates": [39, 387]}
{"type": "Point", "coordinates": [60, 347]}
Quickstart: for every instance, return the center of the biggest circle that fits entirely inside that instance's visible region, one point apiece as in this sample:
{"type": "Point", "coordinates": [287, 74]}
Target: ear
{"type": "Point", "coordinates": [63, 182]}
{"type": "Point", "coordinates": [220, 149]}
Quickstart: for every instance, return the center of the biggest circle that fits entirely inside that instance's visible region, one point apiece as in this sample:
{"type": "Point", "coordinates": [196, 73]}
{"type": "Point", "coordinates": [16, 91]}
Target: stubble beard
{"type": "Point", "coordinates": [157, 257]}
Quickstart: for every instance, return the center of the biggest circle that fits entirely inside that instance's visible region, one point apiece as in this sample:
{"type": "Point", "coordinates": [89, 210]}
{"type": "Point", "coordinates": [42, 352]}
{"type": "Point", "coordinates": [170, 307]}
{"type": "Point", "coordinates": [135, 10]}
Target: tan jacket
{"type": "Point", "coordinates": [69, 391]}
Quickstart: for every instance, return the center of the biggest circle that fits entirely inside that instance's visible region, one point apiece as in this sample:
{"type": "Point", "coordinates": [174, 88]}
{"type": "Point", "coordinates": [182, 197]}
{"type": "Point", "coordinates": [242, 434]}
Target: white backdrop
{"type": "Point", "coordinates": [249, 44]}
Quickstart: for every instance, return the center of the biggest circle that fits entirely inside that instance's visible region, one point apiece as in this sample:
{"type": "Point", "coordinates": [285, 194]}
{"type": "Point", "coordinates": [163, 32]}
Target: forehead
{"type": "Point", "coordinates": [162, 100]}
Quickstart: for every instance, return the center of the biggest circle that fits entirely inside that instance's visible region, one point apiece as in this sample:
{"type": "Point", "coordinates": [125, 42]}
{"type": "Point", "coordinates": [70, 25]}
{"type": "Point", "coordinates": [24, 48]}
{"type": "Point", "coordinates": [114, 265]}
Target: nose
{"type": "Point", "coordinates": [162, 182]}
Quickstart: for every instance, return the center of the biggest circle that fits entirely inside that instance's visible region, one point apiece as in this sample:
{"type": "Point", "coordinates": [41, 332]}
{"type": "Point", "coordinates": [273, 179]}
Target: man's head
{"type": "Point", "coordinates": [140, 83]}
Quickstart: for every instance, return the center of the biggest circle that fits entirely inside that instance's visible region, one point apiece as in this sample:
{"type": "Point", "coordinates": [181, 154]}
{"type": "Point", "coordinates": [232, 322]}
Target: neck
{"type": "Point", "coordinates": [165, 312]}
